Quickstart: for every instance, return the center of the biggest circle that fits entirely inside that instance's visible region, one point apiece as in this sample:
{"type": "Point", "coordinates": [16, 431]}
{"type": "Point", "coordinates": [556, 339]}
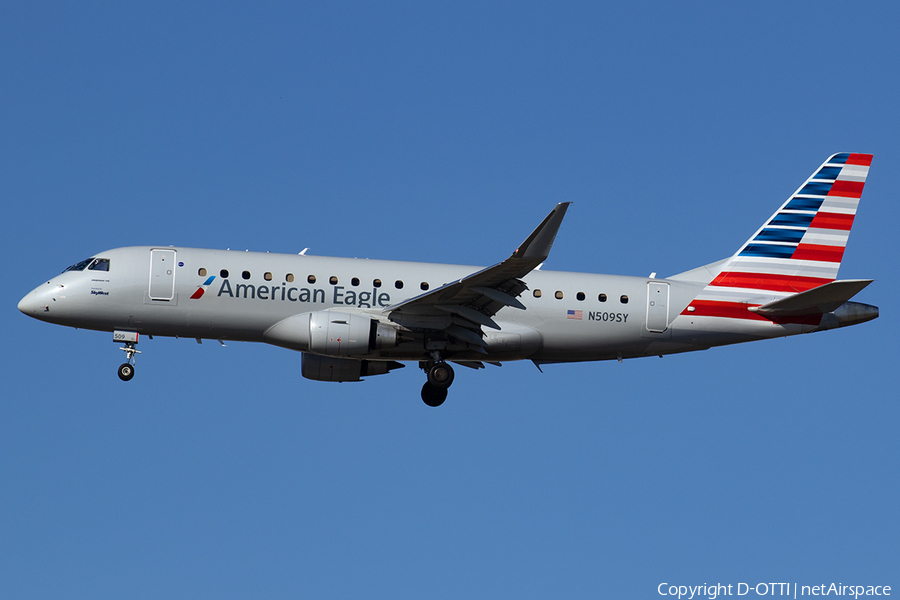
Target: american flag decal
{"type": "Point", "coordinates": [574, 314]}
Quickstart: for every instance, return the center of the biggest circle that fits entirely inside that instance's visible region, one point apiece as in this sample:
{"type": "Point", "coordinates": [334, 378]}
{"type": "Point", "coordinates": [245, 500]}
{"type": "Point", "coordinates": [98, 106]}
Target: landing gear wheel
{"type": "Point", "coordinates": [440, 375]}
{"type": "Point", "coordinates": [126, 371]}
{"type": "Point", "coordinates": [433, 396]}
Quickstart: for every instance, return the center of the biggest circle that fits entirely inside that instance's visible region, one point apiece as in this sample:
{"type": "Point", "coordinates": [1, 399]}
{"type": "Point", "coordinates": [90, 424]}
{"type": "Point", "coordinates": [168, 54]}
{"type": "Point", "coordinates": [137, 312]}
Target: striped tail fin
{"type": "Point", "coordinates": [799, 248]}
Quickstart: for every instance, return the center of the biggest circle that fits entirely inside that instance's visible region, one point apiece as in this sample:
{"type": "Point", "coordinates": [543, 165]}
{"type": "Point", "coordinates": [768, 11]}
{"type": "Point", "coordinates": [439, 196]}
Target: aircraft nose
{"type": "Point", "coordinates": [26, 304]}
{"type": "Point", "coordinates": [31, 304]}
{"type": "Point", "coordinates": [48, 302]}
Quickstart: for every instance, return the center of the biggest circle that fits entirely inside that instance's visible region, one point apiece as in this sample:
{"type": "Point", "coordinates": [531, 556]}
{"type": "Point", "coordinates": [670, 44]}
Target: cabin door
{"type": "Point", "coordinates": [162, 274]}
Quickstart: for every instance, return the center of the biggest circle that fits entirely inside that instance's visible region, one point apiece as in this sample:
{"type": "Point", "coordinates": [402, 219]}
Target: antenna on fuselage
{"type": "Point", "coordinates": [303, 253]}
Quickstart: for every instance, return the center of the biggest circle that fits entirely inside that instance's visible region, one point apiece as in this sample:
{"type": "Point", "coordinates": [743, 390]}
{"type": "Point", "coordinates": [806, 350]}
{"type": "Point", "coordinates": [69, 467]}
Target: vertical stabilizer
{"type": "Point", "coordinates": [799, 248]}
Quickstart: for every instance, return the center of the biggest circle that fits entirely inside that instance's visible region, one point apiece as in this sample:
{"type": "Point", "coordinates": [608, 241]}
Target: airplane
{"type": "Point", "coordinates": [355, 318]}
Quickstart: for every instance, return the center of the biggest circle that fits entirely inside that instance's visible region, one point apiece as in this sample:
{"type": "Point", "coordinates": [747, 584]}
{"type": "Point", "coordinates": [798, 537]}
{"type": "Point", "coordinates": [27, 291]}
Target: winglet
{"type": "Point", "coordinates": [538, 244]}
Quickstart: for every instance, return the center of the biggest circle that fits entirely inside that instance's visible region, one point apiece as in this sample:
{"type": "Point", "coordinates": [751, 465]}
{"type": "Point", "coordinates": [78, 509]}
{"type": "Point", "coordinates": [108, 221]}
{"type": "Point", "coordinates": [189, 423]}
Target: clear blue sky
{"type": "Point", "coordinates": [441, 132]}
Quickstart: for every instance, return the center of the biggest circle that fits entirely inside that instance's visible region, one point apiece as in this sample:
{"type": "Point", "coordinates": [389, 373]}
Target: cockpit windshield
{"type": "Point", "coordinates": [99, 264]}
{"type": "Point", "coordinates": [91, 264]}
{"type": "Point", "coordinates": [79, 266]}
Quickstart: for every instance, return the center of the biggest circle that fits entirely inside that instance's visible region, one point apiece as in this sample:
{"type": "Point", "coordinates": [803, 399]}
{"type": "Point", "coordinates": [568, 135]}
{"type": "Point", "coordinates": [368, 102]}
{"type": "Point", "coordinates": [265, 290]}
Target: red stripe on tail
{"type": "Point", "coordinates": [769, 281]}
{"type": "Point", "coordinates": [825, 220]}
{"type": "Point", "coordinates": [847, 189]}
{"type": "Point", "coordinates": [730, 310]}
{"type": "Point", "coordinates": [860, 159]}
{"type": "Point", "coordinates": [739, 310]}
{"type": "Point", "coordinates": [820, 253]}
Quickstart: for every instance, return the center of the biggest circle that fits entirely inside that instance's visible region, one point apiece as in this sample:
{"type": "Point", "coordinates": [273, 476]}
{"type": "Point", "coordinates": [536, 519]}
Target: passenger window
{"type": "Point", "coordinates": [311, 279]}
{"type": "Point", "coordinates": [602, 297]}
{"type": "Point", "coordinates": [223, 273]}
{"type": "Point", "coordinates": [623, 299]}
{"type": "Point", "coordinates": [423, 285]}
{"type": "Point", "coordinates": [99, 264]}
{"type": "Point", "coordinates": [377, 283]}
{"type": "Point", "coordinates": [398, 284]}
{"type": "Point", "coordinates": [354, 282]}
{"type": "Point", "coordinates": [246, 274]}
{"type": "Point", "coordinates": [559, 295]}
{"type": "Point", "coordinates": [267, 276]}
{"type": "Point", "coordinates": [289, 277]}
{"type": "Point", "coordinates": [202, 272]}
{"type": "Point", "coordinates": [580, 295]}
{"type": "Point", "coordinates": [333, 280]}
{"type": "Point", "coordinates": [537, 293]}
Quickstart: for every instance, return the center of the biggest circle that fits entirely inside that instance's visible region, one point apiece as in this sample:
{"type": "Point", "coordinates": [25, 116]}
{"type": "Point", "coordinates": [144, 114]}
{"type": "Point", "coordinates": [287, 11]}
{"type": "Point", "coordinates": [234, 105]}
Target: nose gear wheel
{"type": "Point", "coordinates": [126, 371]}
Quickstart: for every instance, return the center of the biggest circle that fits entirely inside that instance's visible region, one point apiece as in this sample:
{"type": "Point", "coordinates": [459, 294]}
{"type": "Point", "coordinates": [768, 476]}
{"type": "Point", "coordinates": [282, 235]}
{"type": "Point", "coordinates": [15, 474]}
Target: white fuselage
{"type": "Point", "coordinates": [567, 316]}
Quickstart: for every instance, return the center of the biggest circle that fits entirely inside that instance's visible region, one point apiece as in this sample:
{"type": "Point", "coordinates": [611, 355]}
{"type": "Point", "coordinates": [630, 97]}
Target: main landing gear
{"type": "Point", "coordinates": [440, 376]}
{"type": "Point", "coordinates": [126, 369]}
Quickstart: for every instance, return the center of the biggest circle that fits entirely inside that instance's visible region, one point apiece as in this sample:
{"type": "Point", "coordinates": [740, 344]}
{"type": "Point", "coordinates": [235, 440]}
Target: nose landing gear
{"type": "Point", "coordinates": [126, 369]}
{"type": "Point", "coordinates": [440, 376]}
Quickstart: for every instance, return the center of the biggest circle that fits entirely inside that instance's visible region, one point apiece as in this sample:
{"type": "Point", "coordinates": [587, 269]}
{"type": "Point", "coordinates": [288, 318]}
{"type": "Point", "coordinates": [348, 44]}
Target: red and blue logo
{"type": "Point", "coordinates": [202, 289]}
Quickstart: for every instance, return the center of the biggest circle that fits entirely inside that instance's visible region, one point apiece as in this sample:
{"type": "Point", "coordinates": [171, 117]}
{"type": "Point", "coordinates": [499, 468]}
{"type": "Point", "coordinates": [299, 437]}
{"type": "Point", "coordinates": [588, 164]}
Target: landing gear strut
{"type": "Point", "coordinates": [440, 376]}
{"type": "Point", "coordinates": [126, 369]}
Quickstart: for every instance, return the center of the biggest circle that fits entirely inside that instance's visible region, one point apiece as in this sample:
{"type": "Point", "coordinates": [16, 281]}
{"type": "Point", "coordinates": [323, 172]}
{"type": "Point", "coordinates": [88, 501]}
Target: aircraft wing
{"type": "Point", "coordinates": [462, 307]}
{"type": "Point", "coordinates": [820, 300]}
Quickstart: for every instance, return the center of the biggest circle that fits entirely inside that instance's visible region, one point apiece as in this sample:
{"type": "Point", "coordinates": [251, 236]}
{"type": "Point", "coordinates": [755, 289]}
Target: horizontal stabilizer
{"type": "Point", "coordinates": [820, 300]}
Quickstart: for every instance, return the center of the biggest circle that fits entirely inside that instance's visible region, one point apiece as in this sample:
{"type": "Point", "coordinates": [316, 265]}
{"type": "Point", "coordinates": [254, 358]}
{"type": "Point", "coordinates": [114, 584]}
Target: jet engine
{"type": "Point", "coordinates": [332, 333]}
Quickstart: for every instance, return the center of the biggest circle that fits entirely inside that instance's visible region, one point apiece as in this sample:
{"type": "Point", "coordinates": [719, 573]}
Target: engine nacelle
{"type": "Point", "coordinates": [339, 334]}
{"type": "Point", "coordinates": [330, 368]}
{"type": "Point", "coordinates": [332, 333]}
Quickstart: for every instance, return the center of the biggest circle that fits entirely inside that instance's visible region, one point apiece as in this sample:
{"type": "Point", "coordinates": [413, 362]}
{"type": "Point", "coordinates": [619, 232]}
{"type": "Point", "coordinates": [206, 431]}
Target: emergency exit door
{"type": "Point", "coordinates": [162, 274]}
{"type": "Point", "coordinates": [657, 306]}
